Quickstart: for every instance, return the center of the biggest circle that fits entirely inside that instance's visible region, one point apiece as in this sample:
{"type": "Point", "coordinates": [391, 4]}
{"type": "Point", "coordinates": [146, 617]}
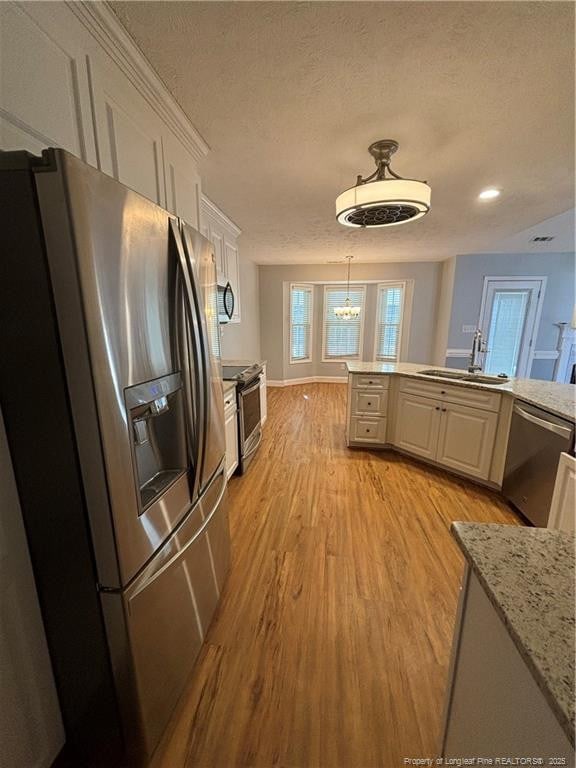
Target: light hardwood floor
{"type": "Point", "coordinates": [331, 645]}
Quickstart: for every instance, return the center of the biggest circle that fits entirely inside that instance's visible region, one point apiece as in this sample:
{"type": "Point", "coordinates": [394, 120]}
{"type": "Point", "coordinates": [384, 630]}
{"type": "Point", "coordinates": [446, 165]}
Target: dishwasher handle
{"type": "Point", "coordinates": [558, 429]}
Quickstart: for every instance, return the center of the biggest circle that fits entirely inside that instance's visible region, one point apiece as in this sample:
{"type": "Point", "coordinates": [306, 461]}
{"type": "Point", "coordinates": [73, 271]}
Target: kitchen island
{"type": "Point", "coordinates": [511, 684]}
{"type": "Point", "coordinates": [461, 425]}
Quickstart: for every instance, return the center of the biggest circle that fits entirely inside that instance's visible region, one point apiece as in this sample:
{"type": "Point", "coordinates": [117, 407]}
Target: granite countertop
{"type": "Point", "coordinates": [559, 399]}
{"type": "Point", "coordinates": [244, 362]}
{"type": "Point", "coordinates": [528, 576]}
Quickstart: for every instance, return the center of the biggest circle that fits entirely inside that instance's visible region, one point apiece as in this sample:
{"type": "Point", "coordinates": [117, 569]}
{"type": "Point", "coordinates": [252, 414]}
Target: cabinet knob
{"type": "Point", "coordinates": [437, 408]}
{"type": "Point", "coordinates": [367, 430]}
{"type": "Point", "coordinates": [369, 403]}
{"type": "Point", "coordinates": [370, 382]}
{"type": "Point", "coordinates": [442, 391]}
{"type": "Point", "coordinates": [443, 410]}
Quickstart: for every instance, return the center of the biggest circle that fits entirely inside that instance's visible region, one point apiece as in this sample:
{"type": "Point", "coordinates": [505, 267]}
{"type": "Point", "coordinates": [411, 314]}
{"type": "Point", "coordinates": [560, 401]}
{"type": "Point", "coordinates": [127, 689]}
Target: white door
{"type": "Point", "coordinates": [509, 321]}
{"type": "Point", "coordinates": [417, 425]}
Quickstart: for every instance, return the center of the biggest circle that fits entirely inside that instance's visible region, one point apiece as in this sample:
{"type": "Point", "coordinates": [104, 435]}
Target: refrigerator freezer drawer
{"type": "Point", "coordinates": [168, 612]}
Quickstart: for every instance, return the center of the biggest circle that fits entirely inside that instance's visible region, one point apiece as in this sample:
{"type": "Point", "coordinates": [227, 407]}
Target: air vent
{"type": "Point", "coordinates": [542, 239]}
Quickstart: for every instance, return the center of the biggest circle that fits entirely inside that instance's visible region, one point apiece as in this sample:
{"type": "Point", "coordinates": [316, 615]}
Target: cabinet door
{"type": "Point", "coordinates": [232, 271]}
{"type": "Point", "coordinates": [129, 135]}
{"type": "Point", "coordinates": [417, 425]}
{"type": "Point", "coordinates": [182, 181]}
{"type": "Point", "coordinates": [466, 439]}
{"type": "Point", "coordinates": [231, 444]}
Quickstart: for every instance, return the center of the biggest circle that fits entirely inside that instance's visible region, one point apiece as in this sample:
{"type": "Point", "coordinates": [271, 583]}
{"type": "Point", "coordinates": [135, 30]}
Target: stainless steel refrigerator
{"type": "Point", "coordinates": [112, 396]}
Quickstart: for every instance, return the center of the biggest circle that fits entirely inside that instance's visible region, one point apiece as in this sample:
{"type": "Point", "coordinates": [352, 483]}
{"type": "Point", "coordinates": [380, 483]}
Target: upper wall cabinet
{"type": "Point", "coordinates": [223, 234]}
{"type": "Point", "coordinates": [72, 78]}
{"type": "Point", "coordinates": [44, 93]}
{"type": "Point", "coordinates": [128, 135]}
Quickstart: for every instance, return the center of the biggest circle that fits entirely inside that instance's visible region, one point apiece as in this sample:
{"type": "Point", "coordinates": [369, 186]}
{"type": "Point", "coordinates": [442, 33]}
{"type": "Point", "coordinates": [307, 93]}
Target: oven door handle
{"type": "Point", "coordinates": [254, 447]}
{"type": "Point", "coordinates": [250, 389]}
{"type": "Point", "coordinates": [558, 429]}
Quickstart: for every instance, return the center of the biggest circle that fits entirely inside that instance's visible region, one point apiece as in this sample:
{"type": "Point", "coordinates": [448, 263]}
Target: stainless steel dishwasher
{"type": "Point", "coordinates": [537, 438]}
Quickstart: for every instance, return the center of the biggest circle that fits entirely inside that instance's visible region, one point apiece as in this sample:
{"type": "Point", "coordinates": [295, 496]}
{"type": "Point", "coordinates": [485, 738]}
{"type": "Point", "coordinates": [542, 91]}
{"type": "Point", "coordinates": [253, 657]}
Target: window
{"type": "Point", "coordinates": [301, 303]}
{"type": "Point", "coordinates": [342, 339]}
{"type": "Point", "coordinates": [389, 316]}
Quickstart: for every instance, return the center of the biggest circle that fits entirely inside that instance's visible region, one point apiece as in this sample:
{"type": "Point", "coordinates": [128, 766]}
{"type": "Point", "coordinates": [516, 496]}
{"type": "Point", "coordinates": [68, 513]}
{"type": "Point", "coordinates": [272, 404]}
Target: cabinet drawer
{"type": "Point", "coordinates": [364, 429]}
{"type": "Point", "coordinates": [374, 381]}
{"type": "Point", "coordinates": [229, 404]}
{"type": "Point", "coordinates": [477, 398]}
{"type": "Point", "coordinates": [369, 403]}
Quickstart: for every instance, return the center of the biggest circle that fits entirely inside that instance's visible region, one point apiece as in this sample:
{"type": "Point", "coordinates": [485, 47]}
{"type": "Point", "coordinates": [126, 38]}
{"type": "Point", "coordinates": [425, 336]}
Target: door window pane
{"type": "Point", "coordinates": [507, 323]}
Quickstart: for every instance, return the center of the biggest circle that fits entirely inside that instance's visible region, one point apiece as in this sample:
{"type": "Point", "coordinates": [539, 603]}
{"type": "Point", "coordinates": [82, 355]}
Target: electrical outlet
{"type": "Point", "coordinates": [468, 328]}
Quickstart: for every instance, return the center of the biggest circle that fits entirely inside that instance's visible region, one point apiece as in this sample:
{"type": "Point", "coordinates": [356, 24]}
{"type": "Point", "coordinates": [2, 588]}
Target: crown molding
{"type": "Point", "coordinates": [212, 209]}
{"type": "Point", "coordinates": [103, 24]}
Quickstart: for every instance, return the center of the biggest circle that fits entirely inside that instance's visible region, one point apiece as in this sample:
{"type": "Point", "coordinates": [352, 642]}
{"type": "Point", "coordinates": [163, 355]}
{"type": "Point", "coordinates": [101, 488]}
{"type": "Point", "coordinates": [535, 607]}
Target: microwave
{"type": "Point", "coordinates": [225, 300]}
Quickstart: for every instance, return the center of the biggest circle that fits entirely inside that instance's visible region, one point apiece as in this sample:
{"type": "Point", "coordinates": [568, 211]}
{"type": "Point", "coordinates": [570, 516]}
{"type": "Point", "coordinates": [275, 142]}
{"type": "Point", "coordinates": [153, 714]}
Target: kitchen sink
{"type": "Point", "coordinates": [478, 378]}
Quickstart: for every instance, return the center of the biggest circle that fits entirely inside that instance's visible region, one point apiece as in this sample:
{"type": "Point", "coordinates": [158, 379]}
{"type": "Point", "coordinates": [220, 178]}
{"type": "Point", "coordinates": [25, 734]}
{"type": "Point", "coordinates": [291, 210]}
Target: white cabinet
{"type": "Point", "coordinates": [563, 507]}
{"type": "Point", "coordinates": [493, 705]}
{"type": "Point", "coordinates": [466, 439]}
{"type": "Point", "coordinates": [417, 425]}
{"type": "Point", "coordinates": [231, 430]}
{"type": "Point", "coordinates": [223, 234]}
{"type": "Point", "coordinates": [182, 181]}
{"type": "Point", "coordinates": [263, 396]}
{"type": "Point", "coordinates": [367, 409]}
{"type": "Point", "coordinates": [453, 426]}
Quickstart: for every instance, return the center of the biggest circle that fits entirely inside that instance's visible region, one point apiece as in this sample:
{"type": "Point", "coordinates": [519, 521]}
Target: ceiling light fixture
{"type": "Point", "coordinates": [347, 312]}
{"type": "Point", "coordinates": [489, 194]}
{"type": "Point", "coordinates": [380, 200]}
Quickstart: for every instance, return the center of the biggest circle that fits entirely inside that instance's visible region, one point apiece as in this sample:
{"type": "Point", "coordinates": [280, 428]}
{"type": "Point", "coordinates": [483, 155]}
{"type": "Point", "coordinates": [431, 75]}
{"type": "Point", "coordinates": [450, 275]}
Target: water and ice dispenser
{"type": "Point", "coordinates": [157, 426]}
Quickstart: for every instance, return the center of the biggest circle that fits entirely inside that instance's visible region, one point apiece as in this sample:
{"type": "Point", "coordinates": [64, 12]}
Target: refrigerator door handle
{"type": "Point", "coordinates": [203, 347]}
{"type": "Point", "coordinates": [194, 388]}
{"type": "Point", "coordinates": [152, 574]}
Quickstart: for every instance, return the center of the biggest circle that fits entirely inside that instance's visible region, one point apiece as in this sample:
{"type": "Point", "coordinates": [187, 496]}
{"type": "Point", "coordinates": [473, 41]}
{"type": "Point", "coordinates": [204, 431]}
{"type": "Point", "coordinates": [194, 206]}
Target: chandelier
{"type": "Point", "coordinates": [380, 200]}
{"type": "Point", "coordinates": [347, 312]}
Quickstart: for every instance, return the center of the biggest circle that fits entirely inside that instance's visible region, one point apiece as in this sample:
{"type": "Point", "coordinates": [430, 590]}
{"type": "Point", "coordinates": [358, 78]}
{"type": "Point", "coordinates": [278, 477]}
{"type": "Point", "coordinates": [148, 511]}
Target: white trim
{"type": "Point", "coordinates": [405, 318]}
{"type": "Point", "coordinates": [212, 210]}
{"type": "Point", "coordinates": [105, 27]}
{"type": "Point", "coordinates": [546, 354]}
{"type": "Point", "coordinates": [308, 380]}
{"type": "Point", "coordinates": [357, 357]}
{"type": "Point", "coordinates": [543, 280]}
{"type": "Point", "coordinates": [310, 358]}
{"type": "Point", "coordinates": [457, 353]}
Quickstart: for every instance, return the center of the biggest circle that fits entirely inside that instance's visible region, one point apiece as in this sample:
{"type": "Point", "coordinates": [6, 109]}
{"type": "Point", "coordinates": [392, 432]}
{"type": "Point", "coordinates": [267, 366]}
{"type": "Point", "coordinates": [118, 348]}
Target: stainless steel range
{"type": "Point", "coordinates": [247, 380]}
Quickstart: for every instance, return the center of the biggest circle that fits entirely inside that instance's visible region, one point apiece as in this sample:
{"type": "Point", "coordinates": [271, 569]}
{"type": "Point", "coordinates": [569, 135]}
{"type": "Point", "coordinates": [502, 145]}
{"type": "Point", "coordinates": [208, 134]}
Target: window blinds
{"type": "Point", "coordinates": [301, 299]}
{"type": "Point", "coordinates": [342, 338]}
{"type": "Point", "coordinates": [389, 321]}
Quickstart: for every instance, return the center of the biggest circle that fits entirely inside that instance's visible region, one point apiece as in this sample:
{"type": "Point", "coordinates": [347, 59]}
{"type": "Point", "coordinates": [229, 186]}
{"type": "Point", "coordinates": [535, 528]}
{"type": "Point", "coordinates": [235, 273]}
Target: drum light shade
{"type": "Point", "coordinates": [383, 203]}
{"type": "Point", "coordinates": [381, 200]}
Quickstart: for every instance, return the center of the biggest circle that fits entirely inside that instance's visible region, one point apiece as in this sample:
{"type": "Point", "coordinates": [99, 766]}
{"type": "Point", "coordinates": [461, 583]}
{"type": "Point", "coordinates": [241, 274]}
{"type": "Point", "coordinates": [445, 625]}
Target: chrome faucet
{"type": "Point", "coordinates": [478, 347]}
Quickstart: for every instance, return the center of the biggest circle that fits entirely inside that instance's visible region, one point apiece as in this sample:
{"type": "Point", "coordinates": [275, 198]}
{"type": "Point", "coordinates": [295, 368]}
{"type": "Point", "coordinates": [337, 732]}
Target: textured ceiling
{"type": "Point", "coordinates": [290, 94]}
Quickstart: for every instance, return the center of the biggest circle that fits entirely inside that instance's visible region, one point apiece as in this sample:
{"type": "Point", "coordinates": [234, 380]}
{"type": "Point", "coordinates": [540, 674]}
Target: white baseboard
{"type": "Point", "coordinates": [307, 380]}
